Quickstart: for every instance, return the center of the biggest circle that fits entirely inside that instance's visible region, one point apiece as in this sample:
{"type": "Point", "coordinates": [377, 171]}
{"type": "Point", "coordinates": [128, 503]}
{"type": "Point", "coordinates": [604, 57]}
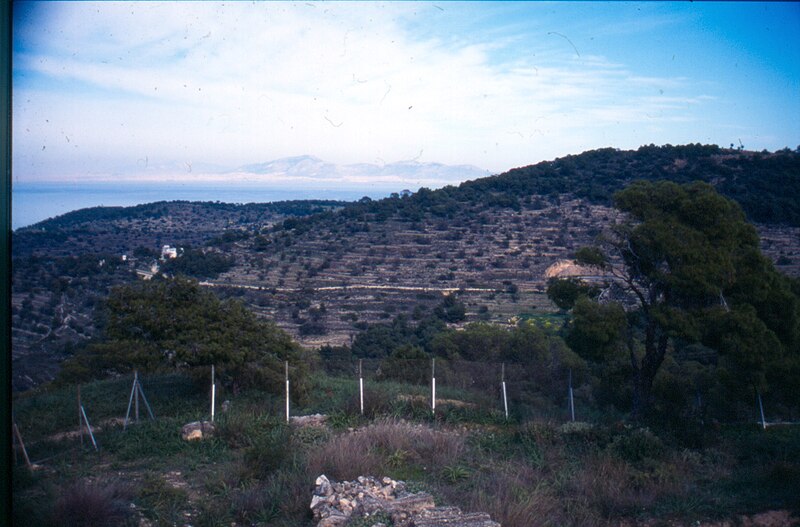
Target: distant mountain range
{"type": "Point", "coordinates": [412, 174]}
{"type": "Point", "coordinates": [309, 172]}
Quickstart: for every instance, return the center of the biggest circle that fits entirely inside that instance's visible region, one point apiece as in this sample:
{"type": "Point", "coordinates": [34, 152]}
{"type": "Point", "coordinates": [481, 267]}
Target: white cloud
{"type": "Point", "coordinates": [199, 82]}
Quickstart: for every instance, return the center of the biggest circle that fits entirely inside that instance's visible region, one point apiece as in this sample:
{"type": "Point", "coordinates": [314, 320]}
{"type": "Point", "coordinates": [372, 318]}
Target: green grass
{"type": "Point", "coordinates": [259, 471]}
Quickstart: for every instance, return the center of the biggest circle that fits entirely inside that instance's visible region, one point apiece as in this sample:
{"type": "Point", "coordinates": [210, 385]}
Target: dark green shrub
{"type": "Point", "coordinates": [268, 452]}
{"type": "Point", "coordinates": [637, 445]}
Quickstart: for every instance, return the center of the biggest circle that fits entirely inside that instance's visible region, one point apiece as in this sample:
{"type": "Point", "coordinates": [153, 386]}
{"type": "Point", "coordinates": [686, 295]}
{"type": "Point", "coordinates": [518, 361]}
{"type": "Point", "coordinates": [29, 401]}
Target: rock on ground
{"type": "Point", "coordinates": [197, 430]}
{"type": "Point", "coordinates": [334, 503]}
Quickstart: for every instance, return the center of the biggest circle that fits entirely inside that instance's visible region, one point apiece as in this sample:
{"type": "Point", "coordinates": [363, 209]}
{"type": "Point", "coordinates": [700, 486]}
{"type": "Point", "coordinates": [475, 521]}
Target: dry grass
{"type": "Point", "coordinates": [96, 504]}
{"type": "Point", "coordinates": [376, 448]}
{"type": "Point", "coordinates": [615, 488]}
{"type": "Point", "coordinates": [516, 495]}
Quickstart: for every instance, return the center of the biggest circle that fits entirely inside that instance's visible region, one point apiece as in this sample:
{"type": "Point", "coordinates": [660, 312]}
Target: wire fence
{"type": "Point", "coordinates": [517, 391]}
{"type": "Point", "coordinates": [437, 389]}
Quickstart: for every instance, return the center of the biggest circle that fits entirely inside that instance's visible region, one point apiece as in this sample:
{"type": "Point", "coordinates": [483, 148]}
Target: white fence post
{"type": "Point", "coordinates": [287, 391]}
{"type": "Point", "coordinates": [213, 393]}
{"type": "Point", "coordinates": [761, 408]}
{"type": "Point", "coordinates": [433, 386]}
{"type": "Point", "coordinates": [361, 385]}
{"type": "Point", "coordinates": [503, 381]}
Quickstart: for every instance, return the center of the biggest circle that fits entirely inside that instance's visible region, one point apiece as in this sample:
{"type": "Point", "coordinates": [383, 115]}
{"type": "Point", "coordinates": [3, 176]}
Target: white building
{"type": "Point", "coordinates": [168, 252]}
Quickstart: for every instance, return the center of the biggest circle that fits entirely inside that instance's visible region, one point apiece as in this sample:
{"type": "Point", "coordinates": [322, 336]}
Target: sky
{"type": "Point", "coordinates": [118, 91]}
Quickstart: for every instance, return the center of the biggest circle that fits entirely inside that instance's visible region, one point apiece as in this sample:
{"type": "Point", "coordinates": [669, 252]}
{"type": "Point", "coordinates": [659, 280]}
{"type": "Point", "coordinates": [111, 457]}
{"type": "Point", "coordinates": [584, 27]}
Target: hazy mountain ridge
{"type": "Point", "coordinates": [403, 172]}
{"type": "Point", "coordinates": [306, 171]}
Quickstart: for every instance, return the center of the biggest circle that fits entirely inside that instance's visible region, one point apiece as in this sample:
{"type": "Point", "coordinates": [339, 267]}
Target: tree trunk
{"type": "Point", "coordinates": [645, 371]}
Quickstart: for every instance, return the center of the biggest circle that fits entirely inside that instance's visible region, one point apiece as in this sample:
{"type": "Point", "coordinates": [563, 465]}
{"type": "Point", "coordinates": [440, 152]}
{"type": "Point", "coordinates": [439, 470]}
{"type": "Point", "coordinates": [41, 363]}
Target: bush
{"type": "Point", "coordinates": [100, 503]}
{"type": "Point", "coordinates": [269, 451]}
{"type": "Point", "coordinates": [406, 364]}
{"type": "Point", "coordinates": [637, 445]}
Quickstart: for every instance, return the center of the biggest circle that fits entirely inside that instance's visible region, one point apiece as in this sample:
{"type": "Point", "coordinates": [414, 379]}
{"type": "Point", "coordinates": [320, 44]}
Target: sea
{"type": "Point", "coordinates": [35, 202]}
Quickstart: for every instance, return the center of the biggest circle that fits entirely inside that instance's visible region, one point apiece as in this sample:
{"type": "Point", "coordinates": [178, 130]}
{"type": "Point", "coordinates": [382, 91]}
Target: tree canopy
{"type": "Point", "coordinates": [690, 269]}
{"type": "Point", "coordinates": [175, 324]}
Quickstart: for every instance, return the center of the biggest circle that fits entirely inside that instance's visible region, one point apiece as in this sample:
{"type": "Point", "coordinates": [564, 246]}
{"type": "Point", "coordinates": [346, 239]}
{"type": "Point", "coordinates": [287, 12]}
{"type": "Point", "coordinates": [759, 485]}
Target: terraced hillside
{"type": "Point", "coordinates": [324, 284]}
{"type": "Point", "coordinates": [323, 271]}
{"type": "Point", "coordinates": [63, 268]}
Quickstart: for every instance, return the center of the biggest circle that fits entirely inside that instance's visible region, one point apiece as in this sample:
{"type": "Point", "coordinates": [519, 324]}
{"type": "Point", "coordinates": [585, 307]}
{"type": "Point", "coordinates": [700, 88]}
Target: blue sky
{"type": "Point", "coordinates": [115, 90]}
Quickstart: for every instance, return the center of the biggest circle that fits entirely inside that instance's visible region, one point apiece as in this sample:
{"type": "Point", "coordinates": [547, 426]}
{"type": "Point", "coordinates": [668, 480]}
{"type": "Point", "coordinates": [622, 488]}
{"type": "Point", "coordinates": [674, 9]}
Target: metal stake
{"type": "Point", "coordinates": [24, 450]}
{"type": "Point", "coordinates": [433, 385]}
{"type": "Point", "coordinates": [503, 380]}
{"type": "Point", "coordinates": [213, 393]}
{"type": "Point", "coordinates": [130, 402]}
{"type": "Point", "coordinates": [136, 392]}
{"type": "Point", "coordinates": [361, 385]}
{"type": "Point", "coordinates": [571, 398]}
{"type": "Point", "coordinates": [135, 386]}
{"type": "Point", "coordinates": [88, 427]}
{"type": "Point", "coordinates": [146, 404]}
{"type": "Point", "coordinates": [80, 416]}
{"type": "Point", "coordinates": [287, 390]}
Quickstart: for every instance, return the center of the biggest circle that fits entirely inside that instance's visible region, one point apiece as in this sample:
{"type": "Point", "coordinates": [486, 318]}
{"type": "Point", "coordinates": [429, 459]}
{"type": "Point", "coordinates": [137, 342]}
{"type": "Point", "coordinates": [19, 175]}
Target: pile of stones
{"type": "Point", "coordinates": [334, 504]}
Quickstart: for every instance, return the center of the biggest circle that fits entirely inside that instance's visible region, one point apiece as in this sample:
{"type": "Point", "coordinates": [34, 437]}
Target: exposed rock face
{"type": "Point", "coordinates": [568, 268]}
{"type": "Point", "coordinates": [301, 421]}
{"type": "Point", "coordinates": [197, 430]}
{"type": "Point", "coordinates": [334, 503]}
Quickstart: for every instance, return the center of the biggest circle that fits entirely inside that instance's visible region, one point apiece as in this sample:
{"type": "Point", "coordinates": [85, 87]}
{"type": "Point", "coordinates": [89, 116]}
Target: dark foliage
{"type": "Point", "coordinates": [167, 324]}
{"type": "Point", "coordinates": [198, 263]}
{"type": "Point", "coordinates": [766, 185]}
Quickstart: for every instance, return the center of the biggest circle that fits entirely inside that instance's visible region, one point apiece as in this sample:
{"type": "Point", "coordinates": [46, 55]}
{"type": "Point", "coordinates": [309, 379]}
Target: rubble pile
{"type": "Point", "coordinates": [335, 503]}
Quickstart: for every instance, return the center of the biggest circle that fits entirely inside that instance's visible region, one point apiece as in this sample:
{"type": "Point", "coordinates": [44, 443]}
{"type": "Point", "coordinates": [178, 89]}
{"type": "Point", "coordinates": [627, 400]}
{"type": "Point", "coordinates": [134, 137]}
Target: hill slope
{"type": "Point", "coordinates": [323, 270]}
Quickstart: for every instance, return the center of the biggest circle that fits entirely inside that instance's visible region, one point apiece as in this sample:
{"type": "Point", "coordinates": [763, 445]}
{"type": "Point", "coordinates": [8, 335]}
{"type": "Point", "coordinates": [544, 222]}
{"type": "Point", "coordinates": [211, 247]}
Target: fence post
{"type": "Point", "coordinates": [761, 408]}
{"type": "Point", "coordinates": [80, 416]}
{"type": "Point", "coordinates": [571, 398]}
{"type": "Point", "coordinates": [130, 403]}
{"type": "Point", "coordinates": [213, 393]}
{"type": "Point", "coordinates": [135, 387]}
{"type": "Point", "coordinates": [433, 386]}
{"type": "Point", "coordinates": [503, 381]}
{"type": "Point", "coordinates": [22, 445]}
{"type": "Point", "coordinates": [361, 385]}
{"type": "Point", "coordinates": [140, 391]}
{"type": "Point", "coordinates": [287, 390]}
{"type": "Point", "coordinates": [88, 427]}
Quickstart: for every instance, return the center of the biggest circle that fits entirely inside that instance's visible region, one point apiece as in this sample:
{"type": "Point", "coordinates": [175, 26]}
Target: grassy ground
{"type": "Point", "coordinates": [258, 471]}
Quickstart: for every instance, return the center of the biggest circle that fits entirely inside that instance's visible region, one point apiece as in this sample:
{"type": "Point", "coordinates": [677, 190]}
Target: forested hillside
{"type": "Point", "coordinates": [326, 271]}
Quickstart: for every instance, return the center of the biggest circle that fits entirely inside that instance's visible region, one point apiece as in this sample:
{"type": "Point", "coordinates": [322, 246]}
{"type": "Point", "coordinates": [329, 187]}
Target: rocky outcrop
{"type": "Point", "coordinates": [334, 503]}
{"type": "Point", "coordinates": [197, 430]}
{"type": "Point", "coordinates": [301, 421]}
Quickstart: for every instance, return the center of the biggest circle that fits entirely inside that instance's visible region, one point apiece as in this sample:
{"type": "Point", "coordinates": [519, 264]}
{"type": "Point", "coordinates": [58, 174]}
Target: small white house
{"type": "Point", "coordinates": [168, 252]}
